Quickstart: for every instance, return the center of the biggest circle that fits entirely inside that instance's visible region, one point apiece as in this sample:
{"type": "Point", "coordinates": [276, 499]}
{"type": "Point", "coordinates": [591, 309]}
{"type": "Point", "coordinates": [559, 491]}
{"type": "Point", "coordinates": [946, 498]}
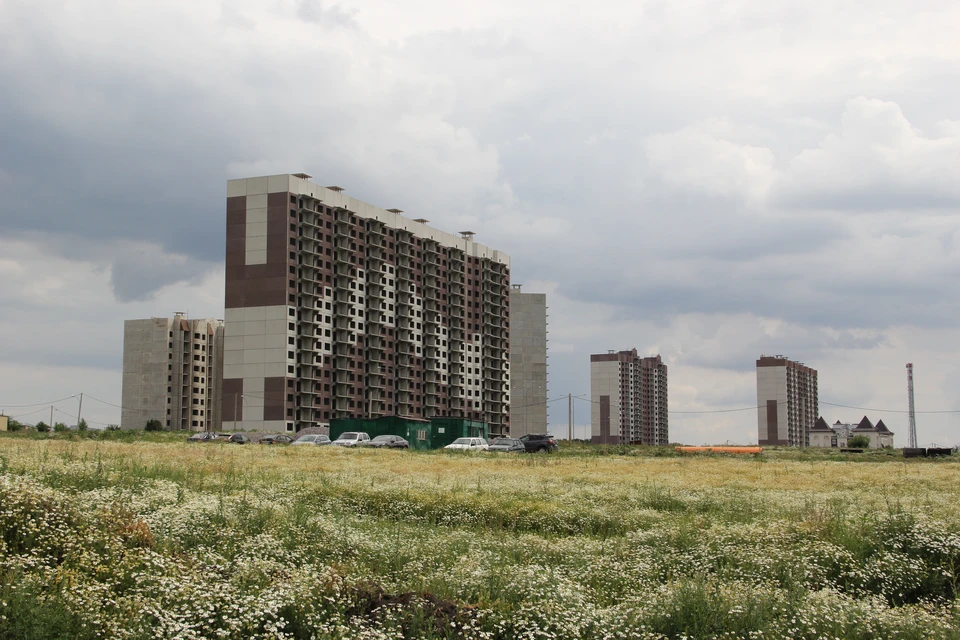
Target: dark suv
{"type": "Point", "coordinates": [539, 442]}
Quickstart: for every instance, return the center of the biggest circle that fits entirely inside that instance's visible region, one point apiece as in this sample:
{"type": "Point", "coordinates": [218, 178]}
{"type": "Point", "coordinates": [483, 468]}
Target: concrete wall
{"type": "Point", "coordinates": [772, 386]}
{"type": "Point", "coordinates": [172, 373]}
{"type": "Point", "coordinates": [256, 346]}
{"type": "Point", "coordinates": [145, 370]}
{"type": "Point", "coordinates": [605, 383]}
{"type": "Point", "coordinates": [528, 363]}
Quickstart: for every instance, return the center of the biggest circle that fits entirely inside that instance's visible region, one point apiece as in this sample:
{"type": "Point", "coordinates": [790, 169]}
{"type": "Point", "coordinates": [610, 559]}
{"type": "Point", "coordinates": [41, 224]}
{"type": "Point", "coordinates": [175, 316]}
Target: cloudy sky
{"type": "Point", "coordinates": [705, 180]}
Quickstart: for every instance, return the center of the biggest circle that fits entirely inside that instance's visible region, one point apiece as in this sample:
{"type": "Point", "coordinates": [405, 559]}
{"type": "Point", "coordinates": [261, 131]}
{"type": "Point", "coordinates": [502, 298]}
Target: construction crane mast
{"type": "Point", "coordinates": [912, 416]}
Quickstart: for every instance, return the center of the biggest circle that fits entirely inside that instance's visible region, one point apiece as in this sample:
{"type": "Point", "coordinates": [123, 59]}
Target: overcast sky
{"type": "Point", "coordinates": [705, 180]}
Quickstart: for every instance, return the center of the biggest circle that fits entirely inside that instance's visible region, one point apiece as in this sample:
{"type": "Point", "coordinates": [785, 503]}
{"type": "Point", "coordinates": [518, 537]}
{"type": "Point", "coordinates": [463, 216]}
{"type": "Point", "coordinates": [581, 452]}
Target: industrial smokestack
{"type": "Point", "coordinates": [912, 416]}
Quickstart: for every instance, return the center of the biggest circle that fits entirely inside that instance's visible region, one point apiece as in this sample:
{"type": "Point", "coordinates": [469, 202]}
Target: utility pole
{"type": "Point", "coordinates": [570, 417]}
{"type": "Point", "coordinates": [51, 418]}
{"type": "Point", "coordinates": [79, 409]}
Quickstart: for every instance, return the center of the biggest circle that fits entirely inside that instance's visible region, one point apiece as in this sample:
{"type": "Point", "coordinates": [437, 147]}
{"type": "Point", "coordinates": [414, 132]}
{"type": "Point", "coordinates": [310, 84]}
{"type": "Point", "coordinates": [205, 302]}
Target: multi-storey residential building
{"type": "Point", "coordinates": [172, 373]}
{"type": "Point", "coordinates": [336, 308]}
{"type": "Point", "coordinates": [787, 401]}
{"type": "Point", "coordinates": [629, 399]}
{"type": "Point", "coordinates": [528, 362]}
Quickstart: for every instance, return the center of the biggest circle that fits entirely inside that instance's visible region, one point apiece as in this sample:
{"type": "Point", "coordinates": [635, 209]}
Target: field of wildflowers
{"type": "Point", "coordinates": [155, 538]}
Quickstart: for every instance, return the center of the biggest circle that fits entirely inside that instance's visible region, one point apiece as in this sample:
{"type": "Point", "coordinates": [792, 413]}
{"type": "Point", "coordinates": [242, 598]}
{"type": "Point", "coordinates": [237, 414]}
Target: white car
{"type": "Point", "coordinates": [350, 439]}
{"type": "Point", "coordinates": [470, 444]}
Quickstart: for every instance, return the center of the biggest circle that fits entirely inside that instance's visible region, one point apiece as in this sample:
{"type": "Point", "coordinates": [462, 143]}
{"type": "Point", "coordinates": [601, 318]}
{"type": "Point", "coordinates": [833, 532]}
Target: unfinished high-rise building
{"type": "Point", "coordinates": [528, 362]}
{"type": "Point", "coordinates": [336, 308]}
{"type": "Point", "coordinates": [629, 400]}
{"type": "Point", "coordinates": [787, 402]}
{"type": "Point", "coordinates": [171, 373]}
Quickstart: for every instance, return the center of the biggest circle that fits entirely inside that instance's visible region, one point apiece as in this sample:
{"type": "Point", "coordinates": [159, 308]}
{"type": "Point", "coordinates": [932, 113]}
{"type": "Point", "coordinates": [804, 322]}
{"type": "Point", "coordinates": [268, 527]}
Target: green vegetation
{"type": "Point", "coordinates": [153, 425]}
{"type": "Point", "coordinates": [859, 442]}
{"type": "Point", "coordinates": [136, 535]}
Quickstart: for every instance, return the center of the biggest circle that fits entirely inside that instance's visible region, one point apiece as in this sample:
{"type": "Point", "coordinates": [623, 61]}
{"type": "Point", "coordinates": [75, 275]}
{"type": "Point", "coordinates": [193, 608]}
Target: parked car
{"type": "Point", "coordinates": [540, 443]}
{"type": "Point", "coordinates": [387, 442]}
{"type": "Point", "coordinates": [313, 439]}
{"type": "Point", "coordinates": [351, 439]}
{"type": "Point", "coordinates": [239, 438]}
{"type": "Point", "coordinates": [223, 437]}
{"type": "Point", "coordinates": [509, 445]}
{"type": "Point", "coordinates": [204, 436]}
{"type": "Point", "coordinates": [276, 438]}
{"type": "Point", "coordinates": [471, 444]}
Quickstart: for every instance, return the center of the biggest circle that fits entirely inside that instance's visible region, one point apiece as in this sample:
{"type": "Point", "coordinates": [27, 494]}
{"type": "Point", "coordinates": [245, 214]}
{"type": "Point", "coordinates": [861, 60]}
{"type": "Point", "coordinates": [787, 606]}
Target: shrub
{"type": "Point", "coordinates": [859, 442]}
{"type": "Point", "coordinates": [82, 425]}
{"type": "Point", "coordinates": [60, 427]}
{"type": "Point", "coordinates": [42, 427]}
{"type": "Point", "coordinates": [153, 425]}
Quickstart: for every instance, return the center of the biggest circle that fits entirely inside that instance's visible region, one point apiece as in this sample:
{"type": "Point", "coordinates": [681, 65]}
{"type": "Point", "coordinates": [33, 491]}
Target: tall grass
{"type": "Point", "coordinates": [154, 537]}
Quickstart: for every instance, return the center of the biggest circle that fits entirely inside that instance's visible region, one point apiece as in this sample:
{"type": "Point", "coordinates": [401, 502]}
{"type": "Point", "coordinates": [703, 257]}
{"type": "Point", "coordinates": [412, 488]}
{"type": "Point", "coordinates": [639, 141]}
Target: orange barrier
{"type": "Point", "coordinates": [719, 449]}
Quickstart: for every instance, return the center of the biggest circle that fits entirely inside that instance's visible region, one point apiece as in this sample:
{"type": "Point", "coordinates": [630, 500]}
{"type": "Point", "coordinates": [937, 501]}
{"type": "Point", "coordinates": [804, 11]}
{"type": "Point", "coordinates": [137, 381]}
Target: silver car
{"type": "Point", "coordinates": [351, 439]}
{"type": "Point", "coordinates": [312, 438]}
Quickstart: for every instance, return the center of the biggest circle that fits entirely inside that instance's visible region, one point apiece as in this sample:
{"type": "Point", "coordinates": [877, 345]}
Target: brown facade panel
{"type": "Point", "coordinates": [772, 421]}
{"type": "Point", "coordinates": [255, 271]}
{"type": "Point", "coordinates": [605, 419]}
{"type": "Point", "coordinates": [604, 357]}
{"type": "Point", "coordinates": [232, 407]}
{"type": "Point", "coordinates": [236, 203]}
{"type": "Point", "coordinates": [236, 231]}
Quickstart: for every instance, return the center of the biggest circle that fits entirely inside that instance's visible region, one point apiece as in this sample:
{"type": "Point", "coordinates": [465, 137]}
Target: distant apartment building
{"type": "Point", "coordinates": [629, 399]}
{"type": "Point", "coordinates": [528, 362]}
{"type": "Point", "coordinates": [336, 308]}
{"type": "Point", "coordinates": [787, 402]}
{"type": "Point", "coordinates": [172, 373]}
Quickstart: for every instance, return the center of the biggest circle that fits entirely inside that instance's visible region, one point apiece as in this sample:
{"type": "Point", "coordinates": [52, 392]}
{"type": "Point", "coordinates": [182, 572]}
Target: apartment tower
{"type": "Point", "coordinates": [336, 308]}
{"type": "Point", "coordinates": [172, 373]}
{"type": "Point", "coordinates": [528, 362]}
{"type": "Point", "coordinates": [629, 399]}
{"type": "Point", "coordinates": [787, 401]}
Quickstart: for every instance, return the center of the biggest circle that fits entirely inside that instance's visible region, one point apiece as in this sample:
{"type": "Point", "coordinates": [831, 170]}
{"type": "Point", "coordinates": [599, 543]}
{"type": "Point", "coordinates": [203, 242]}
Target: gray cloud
{"type": "Point", "coordinates": [315, 12]}
{"type": "Point", "coordinates": [138, 272]}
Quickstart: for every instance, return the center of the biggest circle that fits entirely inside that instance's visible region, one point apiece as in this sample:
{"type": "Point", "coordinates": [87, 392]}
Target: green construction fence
{"type": "Point", "coordinates": [421, 434]}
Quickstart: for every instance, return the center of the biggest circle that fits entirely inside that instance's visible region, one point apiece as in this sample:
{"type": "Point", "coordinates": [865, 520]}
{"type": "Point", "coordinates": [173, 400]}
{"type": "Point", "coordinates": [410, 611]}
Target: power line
{"type": "Point", "coordinates": [20, 415]}
{"type": "Point", "coordinates": [87, 395]}
{"type": "Point", "coordinates": [109, 403]}
{"type": "Point", "coordinates": [37, 404]}
{"type": "Point", "coordinates": [846, 406]}
{"type": "Point", "coordinates": [693, 412]}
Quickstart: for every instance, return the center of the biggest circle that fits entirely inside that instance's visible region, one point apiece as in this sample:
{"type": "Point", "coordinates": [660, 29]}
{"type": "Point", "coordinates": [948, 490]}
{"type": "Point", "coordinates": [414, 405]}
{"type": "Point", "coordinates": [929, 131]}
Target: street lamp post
{"type": "Point", "coordinates": [238, 398]}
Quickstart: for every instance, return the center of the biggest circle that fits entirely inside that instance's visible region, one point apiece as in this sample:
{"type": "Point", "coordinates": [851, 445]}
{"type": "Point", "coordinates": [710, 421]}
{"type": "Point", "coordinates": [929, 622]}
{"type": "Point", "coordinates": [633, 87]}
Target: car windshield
{"type": "Point", "coordinates": [348, 436]}
{"type": "Point", "coordinates": [307, 439]}
{"type": "Point", "coordinates": [463, 441]}
{"type": "Point", "coordinates": [383, 439]}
